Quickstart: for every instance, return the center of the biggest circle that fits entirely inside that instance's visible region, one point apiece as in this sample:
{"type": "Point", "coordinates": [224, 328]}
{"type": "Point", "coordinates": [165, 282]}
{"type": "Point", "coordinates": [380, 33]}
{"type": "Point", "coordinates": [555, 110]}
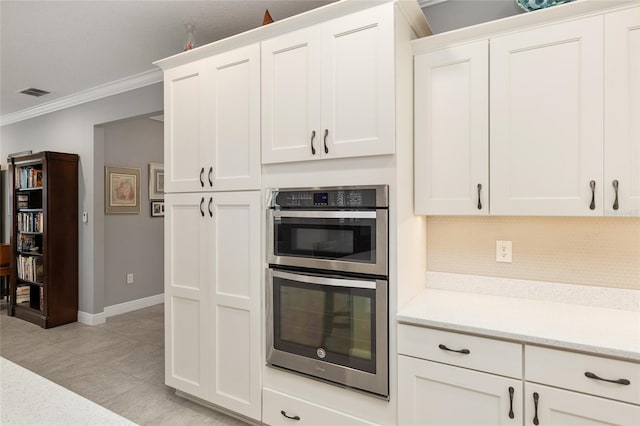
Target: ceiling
{"type": "Point", "coordinates": [66, 47]}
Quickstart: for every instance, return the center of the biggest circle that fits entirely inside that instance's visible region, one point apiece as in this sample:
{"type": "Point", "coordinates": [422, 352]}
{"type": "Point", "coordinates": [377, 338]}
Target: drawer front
{"type": "Point", "coordinates": [567, 370]}
{"type": "Point", "coordinates": [484, 354]}
{"type": "Point", "coordinates": [281, 409]}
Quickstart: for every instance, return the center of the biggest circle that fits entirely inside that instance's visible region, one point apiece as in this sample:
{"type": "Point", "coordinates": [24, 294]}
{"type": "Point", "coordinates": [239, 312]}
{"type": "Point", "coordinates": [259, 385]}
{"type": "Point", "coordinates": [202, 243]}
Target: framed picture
{"type": "Point", "coordinates": [157, 208]}
{"type": "Point", "coordinates": [122, 190]}
{"type": "Point", "coordinates": [156, 181]}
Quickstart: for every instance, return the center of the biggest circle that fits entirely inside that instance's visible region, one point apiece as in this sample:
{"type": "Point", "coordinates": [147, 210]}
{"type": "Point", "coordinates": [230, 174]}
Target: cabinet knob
{"type": "Point", "coordinates": [535, 405]}
{"type": "Point", "coordinates": [592, 184]}
{"type": "Point", "coordinates": [202, 177]}
{"type": "Point", "coordinates": [616, 381]}
{"type": "Point", "coordinates": [511, 392]}
{"type": "Point", "coordinates": [460, 351]}
{"type": "Point", "coordinates": [210, 176]}
{"type": "Point", "coordinates": [326, 148]}
{"type": "Point", "coordinates": [313, 136]}
{"type": "Point", "coordinates": [202, 206]}
{"type": "Point", "coordinates": [615, 188]}
{"type": "Point", "coordinates": [284, 413]}
{"type": "Point", "coordinates": [479, 201]}
{"type": "Point", "coordinates": [209, 207]}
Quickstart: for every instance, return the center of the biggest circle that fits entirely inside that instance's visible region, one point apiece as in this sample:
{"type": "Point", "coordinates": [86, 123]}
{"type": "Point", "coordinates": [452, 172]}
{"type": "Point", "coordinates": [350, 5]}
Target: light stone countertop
{"type": "Point", "coordinates": [603, 321]}
{"type": "Point", "coordinates": [29, 399]}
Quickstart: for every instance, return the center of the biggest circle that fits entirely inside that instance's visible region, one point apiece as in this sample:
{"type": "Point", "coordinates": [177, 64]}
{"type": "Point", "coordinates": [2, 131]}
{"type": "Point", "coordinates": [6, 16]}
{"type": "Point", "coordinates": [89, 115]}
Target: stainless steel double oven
{"type": "Point", "coordinates": [327, 285]}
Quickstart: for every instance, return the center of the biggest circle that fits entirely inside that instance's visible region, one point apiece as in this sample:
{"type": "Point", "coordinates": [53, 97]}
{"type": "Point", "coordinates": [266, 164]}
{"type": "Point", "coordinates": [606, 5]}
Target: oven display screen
{"type": "Point", "coordinates": [320, 198]}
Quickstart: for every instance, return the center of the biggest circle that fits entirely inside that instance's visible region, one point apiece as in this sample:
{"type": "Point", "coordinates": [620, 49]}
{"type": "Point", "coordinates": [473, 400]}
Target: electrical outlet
{"type": "Point", "coordinates": [85, 217]}
{"type": "Point", "coordinates": [503, 251]}
{"type": "Point", "coordinates": [130, 278]}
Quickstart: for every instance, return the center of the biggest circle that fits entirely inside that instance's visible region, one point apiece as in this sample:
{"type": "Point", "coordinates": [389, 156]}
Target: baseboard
{"type": "Point", "coordinates": [121, 308]}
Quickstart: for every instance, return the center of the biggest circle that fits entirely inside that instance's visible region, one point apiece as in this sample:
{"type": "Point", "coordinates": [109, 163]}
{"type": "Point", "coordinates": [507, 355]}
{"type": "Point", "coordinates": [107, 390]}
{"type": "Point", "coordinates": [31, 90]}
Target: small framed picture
{"type": "Point", "coordinates": [122, 190]}
{"type": "Point", "coordinates": [157, 208]}
{"type": "Point", "coordinates": [156, 181]}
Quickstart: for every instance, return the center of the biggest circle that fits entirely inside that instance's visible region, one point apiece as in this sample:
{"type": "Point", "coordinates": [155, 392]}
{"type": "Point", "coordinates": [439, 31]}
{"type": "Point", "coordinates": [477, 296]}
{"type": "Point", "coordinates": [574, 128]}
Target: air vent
{"type": "Point", "coordinates": [31, 91]}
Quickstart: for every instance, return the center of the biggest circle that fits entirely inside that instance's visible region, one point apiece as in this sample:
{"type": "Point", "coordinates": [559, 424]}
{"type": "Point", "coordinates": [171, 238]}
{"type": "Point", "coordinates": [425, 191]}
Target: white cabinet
{"type": "Point", "coordinates": [430, 393]}
{"type": "Point", "coordinates": [597, 391]}
{"type": "Point", "coordinates": [622, 109]}
{"type": "Point", "coordinates": [546, 120]}
{"type": "Point", "coordinates": [212, 293]}
{"type": "Point", "coordinates": [464, 392]}
{"type": "Point", "coordinates": [212, 123]}
{"type": "Point", "coordinates": [328, 90]}
{"type": "Point", "coordinates": [563, 139]}
{"type": "Point", "coordinates": [452, 130]}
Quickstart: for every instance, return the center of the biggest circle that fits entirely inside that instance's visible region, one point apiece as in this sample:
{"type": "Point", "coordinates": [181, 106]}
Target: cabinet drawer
{"type": "Point", "coordinates": [567, 370]}
{"type": "Point", "coordinates": [492, 356]}
{"type": "Point", "coordinates": [276, 405]}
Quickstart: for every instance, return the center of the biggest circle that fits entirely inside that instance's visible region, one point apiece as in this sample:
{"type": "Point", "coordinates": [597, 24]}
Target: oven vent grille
{"type": "Point", "coordinates": [32, 91]}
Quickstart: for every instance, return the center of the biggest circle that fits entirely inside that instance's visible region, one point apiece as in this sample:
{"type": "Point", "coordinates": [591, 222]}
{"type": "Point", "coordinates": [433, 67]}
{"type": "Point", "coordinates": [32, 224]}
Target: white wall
{"type": "Point", "coordinates": [72, 130]}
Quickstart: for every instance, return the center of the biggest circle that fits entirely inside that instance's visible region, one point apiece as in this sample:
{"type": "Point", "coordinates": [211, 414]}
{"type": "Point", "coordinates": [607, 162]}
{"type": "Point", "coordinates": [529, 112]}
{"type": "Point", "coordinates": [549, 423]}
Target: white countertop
{"type": "Point", "coordinates": [29, 399]}
{"type": "Point", "coordinates": [610, 328]}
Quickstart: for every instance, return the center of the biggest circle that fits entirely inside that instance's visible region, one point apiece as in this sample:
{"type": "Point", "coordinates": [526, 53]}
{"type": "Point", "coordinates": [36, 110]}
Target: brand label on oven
{"type": "Point", "coordinates": [321, 353]}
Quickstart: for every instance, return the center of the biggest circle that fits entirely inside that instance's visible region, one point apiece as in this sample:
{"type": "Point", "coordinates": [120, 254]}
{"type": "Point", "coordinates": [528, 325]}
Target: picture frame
{"type": "Point", "coordinates": [121, 190]}
{"type": "Point", "coordinates": [156, 181]}
{"type": "Point", "coordinates": [157, 208]}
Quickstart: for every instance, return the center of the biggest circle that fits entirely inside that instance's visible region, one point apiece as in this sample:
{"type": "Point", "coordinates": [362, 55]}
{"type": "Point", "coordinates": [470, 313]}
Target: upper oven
{"type": "Point", "coordinates": [342, 229]}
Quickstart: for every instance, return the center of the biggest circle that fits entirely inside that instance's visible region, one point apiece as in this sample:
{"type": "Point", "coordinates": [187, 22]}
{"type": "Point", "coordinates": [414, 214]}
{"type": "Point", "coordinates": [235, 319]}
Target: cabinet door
{"type": "Point", "coordinates": [235, 302]}
{"type": "Point", "coordinates": [546, 127]}
{"type": "Point", "coordinates": [291, 97]}
{"type": "Point", "coordinates": [622, 109]}
{"type": "Point", "coordinates": [452, 130]}
{"type": "Point", "coordinates": [550, 406]}
{"type": "Point", "coordinates": [232, 118]}
{"type": "Point", "coordinates": [186, 153]}
{"type": "Point", "coordinates": [358, 104]}
{"type": "Point", "coordinates": [430, 393]}
{"type": "Point", "coordinates": [187, 233]}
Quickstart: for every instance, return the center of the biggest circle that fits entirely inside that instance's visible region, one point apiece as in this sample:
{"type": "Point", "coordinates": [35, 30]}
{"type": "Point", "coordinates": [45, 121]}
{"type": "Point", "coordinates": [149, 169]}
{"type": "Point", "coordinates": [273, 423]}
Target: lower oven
{"type": "Point", "coordinates": [331, 327]}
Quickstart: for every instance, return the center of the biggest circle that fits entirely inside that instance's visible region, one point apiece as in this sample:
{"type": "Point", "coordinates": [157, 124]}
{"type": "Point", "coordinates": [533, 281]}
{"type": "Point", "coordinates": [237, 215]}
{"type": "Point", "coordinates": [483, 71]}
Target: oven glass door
{"type": "Point", "coordinates": [335, 320]}
{"type": "Point", "coordinates": [351, 241]}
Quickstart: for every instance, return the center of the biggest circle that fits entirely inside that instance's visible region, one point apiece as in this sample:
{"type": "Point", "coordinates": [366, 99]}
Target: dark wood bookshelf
{"type": "Point", "coordinates": [44, 206]}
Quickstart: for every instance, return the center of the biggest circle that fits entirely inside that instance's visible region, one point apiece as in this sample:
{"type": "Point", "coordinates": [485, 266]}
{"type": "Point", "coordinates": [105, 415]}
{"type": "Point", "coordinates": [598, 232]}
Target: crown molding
{"type": "Point", "coordinates": [113, 88]}
{"type": "Point", "coordinates": [426, 3]}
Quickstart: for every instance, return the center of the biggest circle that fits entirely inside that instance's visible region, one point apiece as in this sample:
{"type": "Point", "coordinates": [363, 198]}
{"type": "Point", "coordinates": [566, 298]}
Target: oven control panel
{"type": "Point", "coordinates": [351, 197]}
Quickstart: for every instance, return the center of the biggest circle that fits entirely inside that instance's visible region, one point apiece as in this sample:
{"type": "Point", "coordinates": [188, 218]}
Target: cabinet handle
{"type": "Point", "coordinates": [210, 176]}
{"type": "Point", "coordinates": [535, 404]}
{"type": "Point", "coordinates": [284, 413]}
{"type": "Point", "coordinates": [326, 148]}
{"type": "Point", "coordinates": [479, 202]}
{"type": "Point", "coordinates": [210, 202]}
{"type": "Point", "coordinates": [592, 184]}
{"type": "Point", "coordinates": [313, 149]}
{"type": "Point", "coordinates": [615, 188]}
{"type": "Point", "coordinates": [201, 177]}
{"type": "Point", "coordinates": [201, 206]}
{"type": "Point", "coordinates": [511, 391]}
{"type": "Point", "coordinates": [461, 351]}
{"type": "Point", "coordinates": [618, 381]}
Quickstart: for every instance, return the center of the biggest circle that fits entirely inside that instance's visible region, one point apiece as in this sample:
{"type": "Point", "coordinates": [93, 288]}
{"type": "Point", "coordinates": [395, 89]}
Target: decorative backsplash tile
{"type": "Point", "coordinates": [588, 251]}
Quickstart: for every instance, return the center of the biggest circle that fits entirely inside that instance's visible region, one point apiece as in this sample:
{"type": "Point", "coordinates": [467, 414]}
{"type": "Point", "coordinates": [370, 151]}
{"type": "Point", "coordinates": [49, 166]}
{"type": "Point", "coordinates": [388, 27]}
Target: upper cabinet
{"type": "Point", "coordinates": [562, 135]}
{"type": "Point", "coordinates": [452, 130]}
{"type": "Point", "coordinates": [328, 90]}
{"type": "Point", "coordinates": [622, 108]}
{"type": "Point", "coordinates": [212, 127]}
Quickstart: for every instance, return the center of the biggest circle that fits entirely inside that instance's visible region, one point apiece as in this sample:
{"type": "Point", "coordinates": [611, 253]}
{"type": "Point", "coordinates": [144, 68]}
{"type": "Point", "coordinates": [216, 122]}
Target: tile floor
{"type": "Point", "coordinates": [119, 365]}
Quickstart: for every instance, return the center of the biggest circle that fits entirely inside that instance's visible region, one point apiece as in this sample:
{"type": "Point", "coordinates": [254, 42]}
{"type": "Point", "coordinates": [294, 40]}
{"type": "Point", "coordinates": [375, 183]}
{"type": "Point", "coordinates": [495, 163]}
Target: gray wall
{"type": "Point", "coordinates": [454, 14]}
{"type": "Point", "coordinates": [133, 243]}
{"type": "Point", "coordinates": [73, 130]}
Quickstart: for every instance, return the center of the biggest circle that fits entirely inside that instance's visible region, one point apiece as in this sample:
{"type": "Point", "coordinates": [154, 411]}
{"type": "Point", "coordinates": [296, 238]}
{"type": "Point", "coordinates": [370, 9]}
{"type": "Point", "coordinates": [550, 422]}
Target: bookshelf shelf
{"type": "Point", "coordinates": [44, 238]}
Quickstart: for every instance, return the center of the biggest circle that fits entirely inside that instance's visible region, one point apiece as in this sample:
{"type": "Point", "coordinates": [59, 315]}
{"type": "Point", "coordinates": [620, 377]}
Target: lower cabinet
{"type": "Point", "coordinates": [212, 298]}
{"type": "Point", "coordinates": [447, 378]}
{"type": "Point", "coordinates": [431, 393]}
{"type": "Point", "coordinates": [283, 409]}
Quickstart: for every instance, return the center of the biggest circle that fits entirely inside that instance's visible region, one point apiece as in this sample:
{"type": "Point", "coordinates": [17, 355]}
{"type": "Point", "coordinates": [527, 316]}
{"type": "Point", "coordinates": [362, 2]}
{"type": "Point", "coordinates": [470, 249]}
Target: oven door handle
{"type": "Point", "coordinates": [326, 214]}
{"type": "Point", "coordinates": [333, 282]}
